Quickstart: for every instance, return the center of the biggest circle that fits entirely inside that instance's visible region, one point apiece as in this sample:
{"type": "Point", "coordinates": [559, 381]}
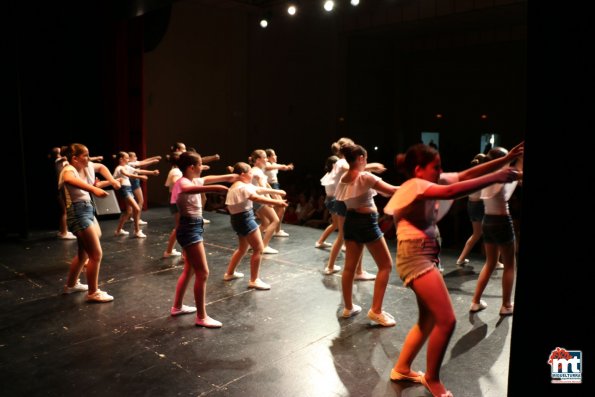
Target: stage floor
{"type": "Point", "coordinates": [289, 341]}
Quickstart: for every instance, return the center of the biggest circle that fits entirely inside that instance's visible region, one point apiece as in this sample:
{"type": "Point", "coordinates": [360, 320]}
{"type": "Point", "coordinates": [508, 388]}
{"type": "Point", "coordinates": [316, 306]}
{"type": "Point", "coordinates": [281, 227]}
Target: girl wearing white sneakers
{"type": "Point", "coordinates": [239, 203]}
{"type": "Point", "coordinates": [189, 230]}
{"type": "Point", "coordinates": [76, 185]}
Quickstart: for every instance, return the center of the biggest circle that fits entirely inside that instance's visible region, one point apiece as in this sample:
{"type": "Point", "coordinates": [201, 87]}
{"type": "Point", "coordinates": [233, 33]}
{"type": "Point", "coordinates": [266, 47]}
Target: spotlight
{"type": "Point", "coordinates": [266, 18]}
{"type": "Point", "coordinates": [354, 2]}
{"type": "Point", "coordinates": [329, 5]}
{"type": "Point", "coordinates": [292, 7]}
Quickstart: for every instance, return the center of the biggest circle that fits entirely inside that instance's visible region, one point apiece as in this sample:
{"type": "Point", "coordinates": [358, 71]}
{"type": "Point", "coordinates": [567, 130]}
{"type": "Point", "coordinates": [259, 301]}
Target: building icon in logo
{"type": "Point", "coordinates": [566, 365]}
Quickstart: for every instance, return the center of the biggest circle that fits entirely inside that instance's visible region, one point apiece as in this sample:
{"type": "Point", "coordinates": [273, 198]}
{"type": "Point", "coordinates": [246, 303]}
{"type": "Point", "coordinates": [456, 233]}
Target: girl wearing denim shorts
{"type": "Point", "coordinates": [498, 239]}
{"type": "Point", "coordinates": [137, 190]}
{"type": "Point", "coordinates": [80, 213]}
{"type": "Point", "coordinates": [189, 230]}
{"type": "Point", "coordinates": [271, 170]}
{"type": "Point", "coordinates": [239, 204]}
{"type": "Point", "coordinates": [357, 189]}
{"type": "Point", "coordinates": [416, 210]}
{"type": "Point", "coordinates": [173, 175]}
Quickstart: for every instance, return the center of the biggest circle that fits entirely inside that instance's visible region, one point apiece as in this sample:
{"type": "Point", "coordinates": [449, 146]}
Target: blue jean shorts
{"type": "Point", "coordinates": [475, 210]}
{"type": "Point", "coordinates": [497, 229]}
{"type": "Point", "coordinates": [80, 215]}
{"type": "Point", "coordinates": [134, 184]}
{"type": "Point", "coordinates": [275, 185]}
{"type": "Point", "coordinates": [125, 191]}
{"type": "Point", "coordinates": [189, 230]}
{"type": "Point", "coordinates": [256, 206]}
{"type": "Point", "coordinates": [361, 228]}
{"type": "Point", "coordinates": [243, 223]}
{"type": "Point", "coordinates": [339, 208]}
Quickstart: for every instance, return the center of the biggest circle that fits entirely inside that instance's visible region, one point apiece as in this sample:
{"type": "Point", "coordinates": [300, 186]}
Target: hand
{"type": "Point", "coordinates": [99, 192]}
{"type": "Point", "coordinates": [116, 184]}
{"type": "Point", "coordinates": [516, 151]}
{"type": "Point", "coordinates": [509, 174]}
{"type": "Point", "coordinates": [282, 203]}
{"type": "Point", "coordinates": [155, 172]}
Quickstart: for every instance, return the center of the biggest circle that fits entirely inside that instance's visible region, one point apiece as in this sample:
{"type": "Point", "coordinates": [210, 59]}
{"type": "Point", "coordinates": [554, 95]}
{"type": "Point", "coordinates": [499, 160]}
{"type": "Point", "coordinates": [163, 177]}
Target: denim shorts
{"type": "Point", "coordinates": [497, 229]}
{"type": "Point", "coordinates": [475, 210]}
{"type": "Point", "coordinates": [416, 257]}
{"type": "Point", "coordinates": [275, 185]}
{"type": "Point", "coordinates": [173, 208]}
{"type": "Point", "coordinates": [329, 203]}
{"type": "Point", "coordinates": [134, 184]}
{"type": "Point", "coordinates": [339, 208]}
{"type": "Point", "coordinates": [361, 228]}
{"type": "Point", "coordinates": [256, 206]}
{"type": "Point", "coordinates": [243, 223]}
{"type": "Point", "coordinates": [189, 230]}
{"type": "Point", "coordinates": [125, 191]}
{"type": "Point", "coordinates": [80, 215]}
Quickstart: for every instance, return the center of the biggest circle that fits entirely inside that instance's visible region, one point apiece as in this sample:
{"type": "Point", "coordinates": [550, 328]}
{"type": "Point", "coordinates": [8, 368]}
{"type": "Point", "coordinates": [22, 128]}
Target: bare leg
{"type": "Point", "coordinates": [471, 241]}
{"type": "Point", "coordinates": [492, 254]}
{"type": "Point", "coordinates": [352, 254]}
{"type": "Point", "coordinates": [379, 251]}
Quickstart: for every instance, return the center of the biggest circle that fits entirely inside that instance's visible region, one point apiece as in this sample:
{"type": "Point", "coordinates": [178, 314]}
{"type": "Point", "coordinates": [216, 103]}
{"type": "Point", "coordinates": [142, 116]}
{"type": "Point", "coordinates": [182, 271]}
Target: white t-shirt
{"type": "Point", "coordinates": [238, 197]}
{"type": "Point", "coordinates": [189, 204]}
{"type": "Point", "coordinates": [417, 218]}
{"type": "Point", "coordinates": [358, 193]}
{"type": "Point", "coordinates": [331, 179]}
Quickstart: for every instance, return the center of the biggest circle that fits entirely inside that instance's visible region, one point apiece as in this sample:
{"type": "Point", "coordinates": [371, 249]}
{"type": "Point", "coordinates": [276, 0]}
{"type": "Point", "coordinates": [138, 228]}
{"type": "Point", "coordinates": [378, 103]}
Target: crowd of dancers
{"type": "Point", "coordinates": [256, 205]}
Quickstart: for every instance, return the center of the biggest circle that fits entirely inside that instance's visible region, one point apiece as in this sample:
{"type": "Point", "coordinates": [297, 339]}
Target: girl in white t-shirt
{"type": "Point", "coordinates": [271, 170]}
{"type": "Point", "coordinates": [416, 209]}
{"type": "Point", "coordinates": [239, 201]}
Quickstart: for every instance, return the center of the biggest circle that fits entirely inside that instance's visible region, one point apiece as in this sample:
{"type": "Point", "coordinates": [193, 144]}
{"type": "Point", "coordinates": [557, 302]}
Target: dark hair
{"type": "Point", "coordinates": [417, 155]}
{"type": "Point", "coordinates": [74, 149]}
{"type": "Point", "coordinates": [270, 152]}
{"type": "Point", "coordinates": [173, 158]}
{"type": "Point", "coordinates": [255, 155]}
{"type": "Point", "coordinates": [336, 146]}
{"type": "Point", "coordinates": [478, 159]}
{"type": "Point", "coordinates": [240, 168]}
{"type": "Point", "coordinates": [177, 146]}
{"type": "Point", "coordinates": [496, 153]}
{"type": "Point", "coordinates": [188, 159]}
{"type": "Point", "coordinates": [330, 161]}
{"type": "Point", "coordinates": [352, 152]}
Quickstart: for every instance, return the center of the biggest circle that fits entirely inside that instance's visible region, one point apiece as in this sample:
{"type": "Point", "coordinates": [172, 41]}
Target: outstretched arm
{"type": "Point", "coordinates": [264, 190]}
{"type": "Point", "coordinates": [189, 188]}
{"type": "Point", "coordinates": [269, 201]}
{"type": "Point", "coordinates": [376, 168]}
{"type": "Point", "coordinates": [460, 189]}
{"type": "Point", "coordinates": [105, 172]}
{"type": "Point", "coordinates": [230, 178]}
{"type": "Point", "coordinates": [492, 165]}
{"type": "Point", "coordinates": [71, 179]}
{"type": "Point", "coordinates": [208, 159]}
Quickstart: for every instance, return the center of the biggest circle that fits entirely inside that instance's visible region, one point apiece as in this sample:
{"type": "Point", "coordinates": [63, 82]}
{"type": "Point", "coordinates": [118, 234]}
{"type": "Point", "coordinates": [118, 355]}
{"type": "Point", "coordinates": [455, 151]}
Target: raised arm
{"type": "Point", "coordinates": [148, 161]}
{"type": "Point", "coordinates": [492, 165]}
{"type": "Point", "coordinates": [230, 178]}
{"type": "Point", "coordinates": [208, 159]}
{"type": "Point", "coordinates": [460, 189]}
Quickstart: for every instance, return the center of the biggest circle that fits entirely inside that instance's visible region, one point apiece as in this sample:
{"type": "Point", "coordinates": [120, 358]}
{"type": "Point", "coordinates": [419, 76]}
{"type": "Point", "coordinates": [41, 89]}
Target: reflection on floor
{"type": "Point", "coordinates": [289, 341]}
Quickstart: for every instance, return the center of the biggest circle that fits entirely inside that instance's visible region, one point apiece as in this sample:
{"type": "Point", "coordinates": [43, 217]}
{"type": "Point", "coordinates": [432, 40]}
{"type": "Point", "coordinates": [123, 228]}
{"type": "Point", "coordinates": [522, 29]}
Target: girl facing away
{"type": "Point", "coordinates": [357, 189]}
{"type": "Point", "coordinates": [239, 203]}
{"type": "Point", "coordinates": [189, 230]}
{"type": "Point", "coordinates": [416, 210]}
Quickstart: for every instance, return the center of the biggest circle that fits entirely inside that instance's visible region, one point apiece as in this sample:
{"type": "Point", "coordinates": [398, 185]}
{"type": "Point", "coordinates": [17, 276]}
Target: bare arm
{"type": "Point", "coordinates": [148, 172]}
{"type": "Point", "coordinates": [148, 161]}
{"type": "Point", "coordinates": [460, 189]}
{"type": "Point", "coordinates": [71, 179]}
{"type": "Point", "coordinates": [265, 200]}
{"type": "Point", "coordinates": [203, 188]}
{"type": "Point", "coordinates": [264, 190]}
{"type": "Point", "coordinates": [376, 168]}
{"type": "Point", "coordinates": [282, 167]}
{"type": "Point", "coordinates": [493, 165]}
{"type": "Point", "coordinates": [230, 178]}
{"type": "Point", "coordinates": [105, 172]}
{"type": "Point", "coordinates": [386, 189]}
{"type": "Point", "coordinates": [208, 159]}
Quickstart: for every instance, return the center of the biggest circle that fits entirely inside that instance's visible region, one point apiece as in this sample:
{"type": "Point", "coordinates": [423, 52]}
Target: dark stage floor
{"type": "Point", "coordinates": [289, 341]}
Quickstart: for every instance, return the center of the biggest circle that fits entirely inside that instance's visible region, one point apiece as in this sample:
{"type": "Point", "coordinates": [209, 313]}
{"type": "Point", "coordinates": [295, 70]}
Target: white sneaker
{"type": "Point", "coordinates": [122, 232]}
{"type": "Point", "coordinates": [365, 276]}
{"type": "Point", "coordinates": [99, 296]}
{"type": "Point", "coordinates": [350, 313]}
{"type": "Point", "coordinates": [335, 269]}
{"type": "Point", "coordinates": [500, 265]}
{"type": "Point", "coordinates": [140, 234]}
{"type": "Point", "coordinates": [463, 263]}
{"type": "Point", "coordinates": [259, 284]}
{"type": "Point", "coordinates": [385, 319]}
{"type": "Point", "coordinates": [67, 236]}
{"type": "Point", "coordinates": [228, 277]}
{"type": "Point", "coordinates": [174, 311]}
{"type": "Point", "coordinates": [343, 248]}
{"type": "Point", "coordinates": [476, 307]}
{"type": "Point", "coordinates": [206, 221]}
{"type": "Point", "coordinates": [281, 233]}
{"type": "Point", "coordinates": [78, 287]}
{"type": "Point", "coordinates": [173, 252]}
{"type": "Point", "coordinates": [142, 223]}
{"type": "Point", "coordinates": [269, 250]}
{"type": "Point", "coordinates": [323, 245]}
